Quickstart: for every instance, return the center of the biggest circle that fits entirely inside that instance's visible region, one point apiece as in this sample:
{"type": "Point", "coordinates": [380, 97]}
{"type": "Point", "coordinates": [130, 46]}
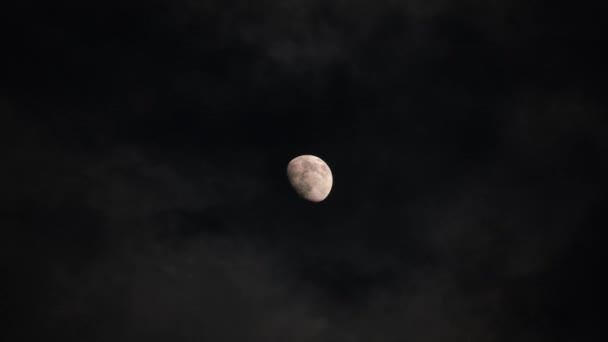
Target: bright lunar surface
{"type": "Point", "coordinates": [310, 177]}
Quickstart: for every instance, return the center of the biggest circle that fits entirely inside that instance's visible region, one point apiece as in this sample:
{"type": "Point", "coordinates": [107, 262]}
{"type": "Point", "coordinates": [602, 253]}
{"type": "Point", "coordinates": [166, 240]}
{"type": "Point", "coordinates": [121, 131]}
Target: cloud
{"type": "Point", "coordinates": [145, 194]}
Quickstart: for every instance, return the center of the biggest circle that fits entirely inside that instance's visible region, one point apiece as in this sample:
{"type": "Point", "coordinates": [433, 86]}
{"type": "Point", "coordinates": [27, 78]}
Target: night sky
{"type": "Point", "coordinates": [144, 147]}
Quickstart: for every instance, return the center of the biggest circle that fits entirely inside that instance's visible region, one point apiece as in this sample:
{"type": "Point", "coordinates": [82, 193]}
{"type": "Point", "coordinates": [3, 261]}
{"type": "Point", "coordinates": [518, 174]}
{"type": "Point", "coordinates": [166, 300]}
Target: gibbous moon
{"type": "Point", "coordinates": [310, 177]}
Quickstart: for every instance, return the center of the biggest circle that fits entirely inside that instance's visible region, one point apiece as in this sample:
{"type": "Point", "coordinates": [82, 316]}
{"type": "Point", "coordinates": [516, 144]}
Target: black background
{"type": "Point", "coordinates": [144, 146]}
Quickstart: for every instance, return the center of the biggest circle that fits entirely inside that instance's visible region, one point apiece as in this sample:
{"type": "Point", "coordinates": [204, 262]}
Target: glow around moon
{"type": "Point", "coordinates": [310, 177]}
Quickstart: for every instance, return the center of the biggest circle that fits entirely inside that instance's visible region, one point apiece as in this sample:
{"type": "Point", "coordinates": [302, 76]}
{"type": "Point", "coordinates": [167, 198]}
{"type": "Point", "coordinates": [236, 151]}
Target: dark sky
{"type": "Point", "coordinates": [144, 149]}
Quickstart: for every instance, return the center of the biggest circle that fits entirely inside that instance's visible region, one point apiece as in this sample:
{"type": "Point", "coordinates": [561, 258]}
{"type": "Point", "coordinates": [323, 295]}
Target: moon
{"type": "Point", "coordinates": [310, 177]}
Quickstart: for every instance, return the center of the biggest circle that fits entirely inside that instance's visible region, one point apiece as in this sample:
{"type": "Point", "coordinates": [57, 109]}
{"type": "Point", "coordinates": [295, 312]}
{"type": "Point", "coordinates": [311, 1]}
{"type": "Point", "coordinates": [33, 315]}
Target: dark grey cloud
{"type": "Point", "coordinates": [144, 192]}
